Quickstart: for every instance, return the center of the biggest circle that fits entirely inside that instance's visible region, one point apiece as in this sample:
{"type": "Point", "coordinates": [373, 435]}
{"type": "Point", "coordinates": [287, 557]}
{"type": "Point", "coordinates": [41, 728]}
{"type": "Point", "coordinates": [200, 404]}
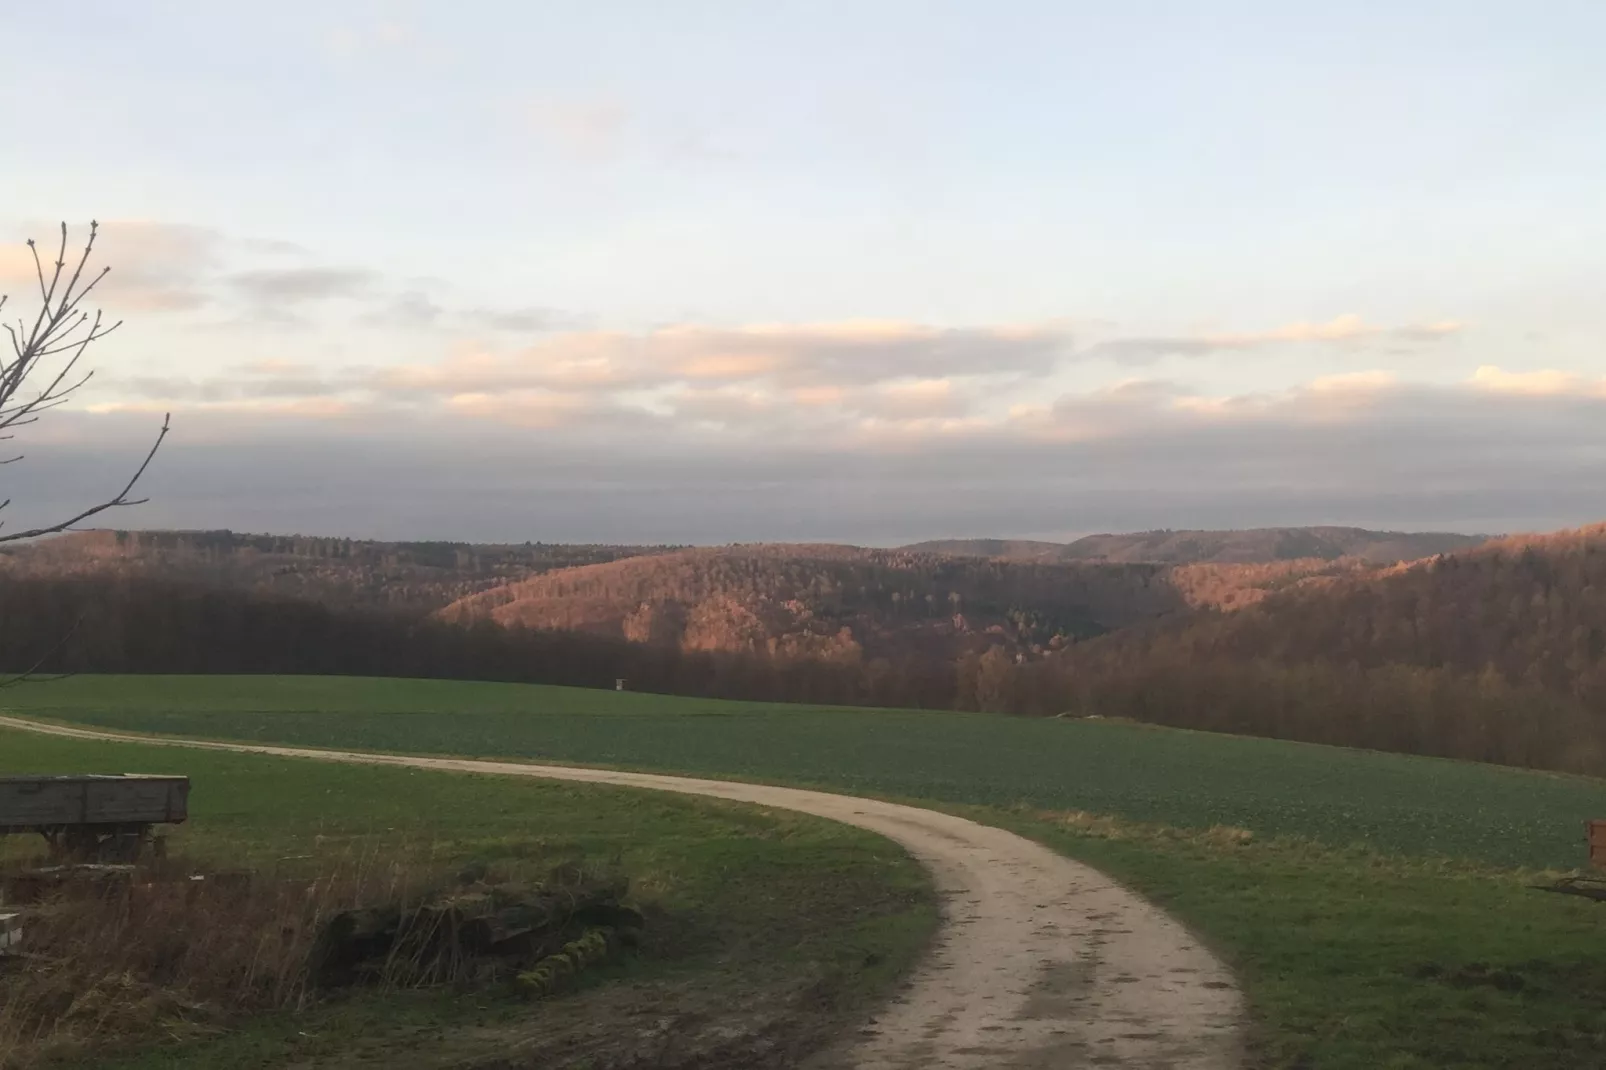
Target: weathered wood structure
{"type": "Point", "coordinates": [95, 817]}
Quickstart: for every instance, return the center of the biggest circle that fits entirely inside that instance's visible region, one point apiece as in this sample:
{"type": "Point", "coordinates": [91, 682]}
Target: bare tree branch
{"type": "Point", "coordinates": [122, 498]}
{"type": "Point", "coordinates": [30, 675]}
{"type": "Point", "coordinates": [59, 329]}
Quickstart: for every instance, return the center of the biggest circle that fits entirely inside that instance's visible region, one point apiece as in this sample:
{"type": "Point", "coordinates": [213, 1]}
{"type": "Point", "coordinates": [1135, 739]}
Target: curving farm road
{"type": "Point", "coordinates": [1040, 961]}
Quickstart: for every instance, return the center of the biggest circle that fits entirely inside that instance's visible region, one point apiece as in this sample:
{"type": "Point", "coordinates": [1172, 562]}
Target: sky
{"type": "Point", "coordinates": [864, 272]}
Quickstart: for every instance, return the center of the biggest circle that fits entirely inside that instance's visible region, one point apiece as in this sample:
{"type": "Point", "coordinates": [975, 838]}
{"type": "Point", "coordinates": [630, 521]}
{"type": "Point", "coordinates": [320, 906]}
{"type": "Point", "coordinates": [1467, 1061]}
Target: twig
{"type": "Point", "coordinates": [59, 329]}
{"type": "Point", "coordinates": [29, 675]}
{"type": "Point", "coordinates": [122, 499]}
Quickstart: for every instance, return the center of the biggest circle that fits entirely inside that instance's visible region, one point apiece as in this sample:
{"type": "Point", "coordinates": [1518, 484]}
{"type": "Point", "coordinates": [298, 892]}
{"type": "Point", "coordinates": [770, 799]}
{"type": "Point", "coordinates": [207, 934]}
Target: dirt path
{"type": "Point", "coordinates": [1041, 962]}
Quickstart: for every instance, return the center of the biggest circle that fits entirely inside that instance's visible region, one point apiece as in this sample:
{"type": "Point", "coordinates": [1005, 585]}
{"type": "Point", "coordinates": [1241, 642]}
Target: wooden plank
{"type": "Point", "coordinates": [31, 802]}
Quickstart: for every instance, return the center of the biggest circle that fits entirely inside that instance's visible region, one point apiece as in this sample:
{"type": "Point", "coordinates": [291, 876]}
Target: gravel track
{"type": "Point", "coordinates": [1040, 962]}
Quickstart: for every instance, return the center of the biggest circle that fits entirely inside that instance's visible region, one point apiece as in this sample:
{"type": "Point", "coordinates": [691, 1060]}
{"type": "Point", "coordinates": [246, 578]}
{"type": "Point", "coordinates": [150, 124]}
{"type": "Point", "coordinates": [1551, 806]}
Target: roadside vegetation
{"type": "Point", "coordinates": [1376, 907]}
{"type": "Point", "coordinates": [764, 932]}
{"type": "Point", "coordinates": [1355, 959]}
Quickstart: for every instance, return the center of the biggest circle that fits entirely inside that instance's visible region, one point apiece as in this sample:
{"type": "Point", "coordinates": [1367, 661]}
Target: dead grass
{"type": "Point", "coordinates": [165, 951]}
{"type": "Point", "coordinates": [745, 912]}
{"type": "Point", "coordinates": [1108, 827]}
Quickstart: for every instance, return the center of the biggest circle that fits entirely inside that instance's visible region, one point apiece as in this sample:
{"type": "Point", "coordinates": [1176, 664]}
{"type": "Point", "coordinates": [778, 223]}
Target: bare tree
{"type": "Point", "coordinates": [43, 371]}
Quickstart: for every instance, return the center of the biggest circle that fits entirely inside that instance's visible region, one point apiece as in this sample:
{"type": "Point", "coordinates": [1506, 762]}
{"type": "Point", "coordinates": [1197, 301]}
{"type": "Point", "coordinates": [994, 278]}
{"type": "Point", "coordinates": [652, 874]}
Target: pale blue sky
{"type": "Point", "coordinates": [593, 209]}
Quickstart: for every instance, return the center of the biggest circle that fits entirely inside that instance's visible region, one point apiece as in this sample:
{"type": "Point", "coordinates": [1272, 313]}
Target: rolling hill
{"type": "Point", "coordinates": [1530, 610]}
{"type": "Point", "coordinates": [1251, 546]}
{"type": "Point", "coordinates": [406, 576]}
{"type": "Point", "coordinates": [1496, 654]}
{"type": "Point", "coordinates": [829, 601]}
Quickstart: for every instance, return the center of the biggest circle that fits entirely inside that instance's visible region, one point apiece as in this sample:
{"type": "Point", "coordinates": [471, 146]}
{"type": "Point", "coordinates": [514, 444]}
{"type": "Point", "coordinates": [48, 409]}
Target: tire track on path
{"type": "Point", "coordinates": [1040, 961]}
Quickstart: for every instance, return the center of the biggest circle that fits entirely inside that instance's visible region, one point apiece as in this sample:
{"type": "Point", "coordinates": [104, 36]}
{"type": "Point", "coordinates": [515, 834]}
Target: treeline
{"type": "Point", "coordinates": [1530, 612]}
{"type": "Point", "coordinates": [140, 625]}
{"type": "Point", "coordinates": [1401, 708]}
{"type": "Point", "coordinates": [1495, 655]}
{"type": "Point", "coordinates": [1498, 655]}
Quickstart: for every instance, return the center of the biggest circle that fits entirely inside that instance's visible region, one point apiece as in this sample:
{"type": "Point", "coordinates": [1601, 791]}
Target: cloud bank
{"type": "Point", "coordinates": [397, 407]}
{"type": "Point", "coordinates": [1361, 449]}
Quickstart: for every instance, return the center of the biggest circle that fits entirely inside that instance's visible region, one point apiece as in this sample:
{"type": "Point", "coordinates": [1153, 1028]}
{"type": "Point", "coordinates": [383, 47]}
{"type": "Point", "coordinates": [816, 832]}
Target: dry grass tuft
{"type": "Point", "coordinates": [163, 950]}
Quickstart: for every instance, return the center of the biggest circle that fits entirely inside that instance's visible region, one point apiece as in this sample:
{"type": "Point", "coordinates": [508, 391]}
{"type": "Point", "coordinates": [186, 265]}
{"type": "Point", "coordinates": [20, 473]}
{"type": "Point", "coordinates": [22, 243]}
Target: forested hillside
{"type": "Point", "coordinates": [831, 602]}
{"type": "Point", "coordinates": [1529, 611]}
{"type": "Point", "coordinates": [1497, 654]}
{"type": "Point", "coordinates": [99, 623]}
{"type": "Point", "coordinates": [1251, 546]}
{"type": "Point", "coordinates": [412, 576]}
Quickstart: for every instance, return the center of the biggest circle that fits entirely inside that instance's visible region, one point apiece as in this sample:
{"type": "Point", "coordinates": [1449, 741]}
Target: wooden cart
{"type": "Point", "coordinates": [97, 818]}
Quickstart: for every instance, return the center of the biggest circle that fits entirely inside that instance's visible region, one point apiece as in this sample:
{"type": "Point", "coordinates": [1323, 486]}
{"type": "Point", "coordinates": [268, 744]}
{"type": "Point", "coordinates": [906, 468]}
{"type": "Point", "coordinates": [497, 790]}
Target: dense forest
{"type": "Point", "coordinates": [138, 624]}
{"type": "Point", "coordinates": [831, 602]}
{"type": "Point", "coordinates": [1497, 653]}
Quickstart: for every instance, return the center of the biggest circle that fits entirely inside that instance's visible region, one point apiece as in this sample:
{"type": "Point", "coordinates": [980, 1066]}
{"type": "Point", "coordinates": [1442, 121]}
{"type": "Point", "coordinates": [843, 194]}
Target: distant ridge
{"type": "Point", "coordinates": [830, 601]}
{"type": "Point", "coordinates": [410, 576]}
{"type": "Point", "coordinates": [1249, 546]}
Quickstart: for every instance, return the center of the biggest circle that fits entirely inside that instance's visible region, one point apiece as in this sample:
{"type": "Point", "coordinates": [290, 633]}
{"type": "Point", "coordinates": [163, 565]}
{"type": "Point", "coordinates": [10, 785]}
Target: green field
{"type": "Point", "coordinates": [1395, 803]}
{"type": "Point", "coordinates": [1376, 911]}
{"type": "Point", "coordinates": [793, 917]}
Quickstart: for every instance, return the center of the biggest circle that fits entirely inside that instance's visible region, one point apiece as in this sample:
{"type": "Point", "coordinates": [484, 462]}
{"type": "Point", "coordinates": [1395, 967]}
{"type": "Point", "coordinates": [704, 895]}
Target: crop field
{"type": "Point", "coordinates": [1376, 908]}
{"type": "Point", "coordinates": [799, 921]}
{"type": "Point", "coordinates": [1392, 803]}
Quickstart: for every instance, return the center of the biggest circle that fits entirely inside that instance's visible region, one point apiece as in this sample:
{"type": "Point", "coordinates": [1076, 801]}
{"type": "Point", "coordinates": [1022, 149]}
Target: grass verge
{"type": "Point", "coordinates": [777, 924]}
{"type": "Point", "coordinates": [1356, 960]}
{"type": "Point", "coordinates": [1375, 906]}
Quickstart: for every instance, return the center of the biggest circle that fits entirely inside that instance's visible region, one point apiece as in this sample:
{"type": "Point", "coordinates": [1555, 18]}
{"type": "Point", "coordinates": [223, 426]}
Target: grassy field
{"type": "Point", "coordinates": [1375, 907]}
{"type": "Point", "coordinates": [792, 918]}
{"type": "Point", "coordinates": [1394, 803]}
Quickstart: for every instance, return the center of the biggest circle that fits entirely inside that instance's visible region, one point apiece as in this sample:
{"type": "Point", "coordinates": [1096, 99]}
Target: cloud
{"type": "Point", "coordinates": [1135, 455]}
{"type": "Point", "coordinates": [810, 412]}
{"type": "Point", "coordinates": [1547, 382]}
{"type": "Point", "coordinates": [797, 357]}
{"type": "Point", "coordinates": [528, 408]}
{"type": "Point", "coordinates": [177, 268]}
{"type": "Point", "coordinates": [1347, 330]}
{"type": "Point", "coordinates": [412, 309]}
{"type": "Point", "coordinates": [313, 405]}
{"type": "Point", "coordinates": [297, 284]}
{"type": "Point", "coordinates": [527, 320]}
{"type": "Point", "coordinates": [248, 388]}
{"type": "Point", "coordinates": [1354, 383]}
{"type": "Point", "coordinates": [275, 366]}
{"type": "Point", "coordinates": [793, 381]}
{"type": "Point", "coordinates": [584, 129]}
{"type": "Point", "coordinates": [916, 400]}
{"type": "Point", "coordinates": [385, 35]}
{"type": "Point", "coordinates": [245, 282]}
{"type": "Point", "coordinates": [156, 267]}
